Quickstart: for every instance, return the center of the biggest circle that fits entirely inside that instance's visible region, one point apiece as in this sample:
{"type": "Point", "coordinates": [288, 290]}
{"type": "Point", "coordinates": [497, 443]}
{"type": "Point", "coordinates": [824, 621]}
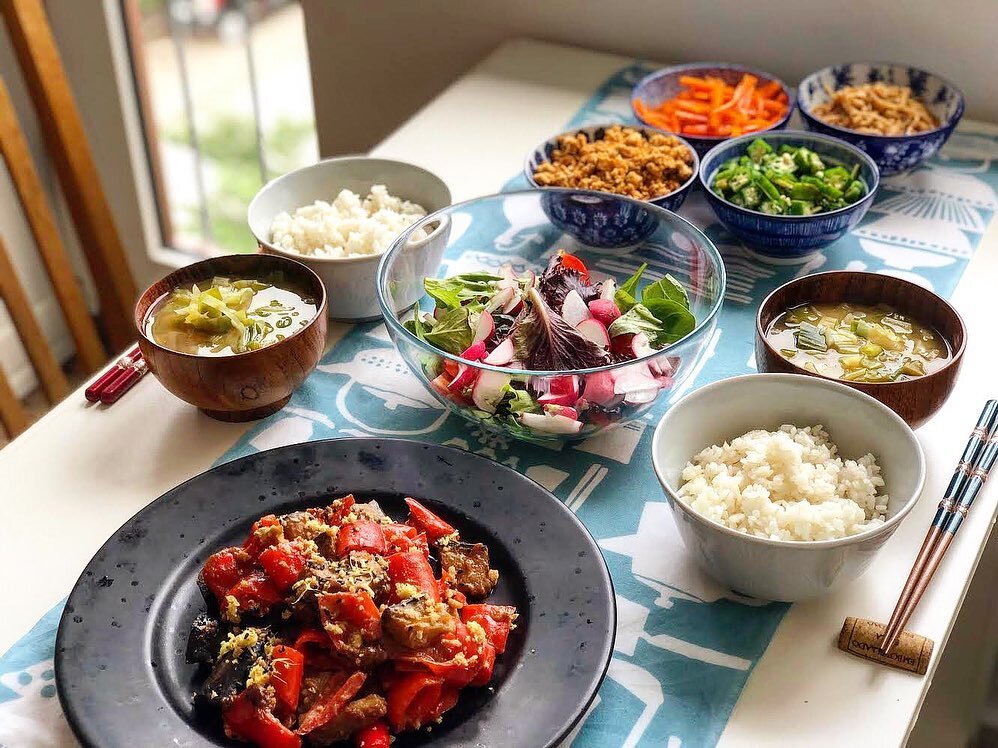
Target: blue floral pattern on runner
{"type": "Point", "coordinates": [685, 645]}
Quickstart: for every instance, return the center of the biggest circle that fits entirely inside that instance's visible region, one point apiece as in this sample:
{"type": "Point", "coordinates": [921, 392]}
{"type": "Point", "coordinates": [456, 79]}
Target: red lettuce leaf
{"type": "Point", "coordinates": [556, 281]}
{"type": "Point", "coordinates": [545, 342]}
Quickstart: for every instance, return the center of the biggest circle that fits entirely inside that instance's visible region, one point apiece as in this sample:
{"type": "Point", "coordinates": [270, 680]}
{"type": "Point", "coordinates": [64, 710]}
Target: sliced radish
{"type": "Point", "coordinates": [465, 378]}
{"type": "Point", "coordinates": [604, 310]}
{"type": "Point", "coordinates": [439, 311]}
{"type": "Point", "coordinates": [506, 272]}
{"type": "Point", "coordinates": [551, 424]}
{"type": "Point", "coordinates": [486, 326]}
{"type": "Point", "coordinates": [640, 345]}
{"type": "Point", "coordinates": [514, 305]}
{"type": "Point", "coordinates": [451, 367]}
{"type": "Point", "coordinates": [561, 410]}
{"type": "Point", "coordinates": [567, 385]}
{"type": "Point", "coordinates": [501, 299]}
{"type": "Point", "coordinates": [599, 388]}
{"type": "Point", "coordinates": [574, 309]}
{"type": "Point", "coordinates": [502, 354]}
{"type": "Point", "coordinates": [530, 279]}
{"type": "Point", "coordinates": [608, 289]}
{"type": "Point", "coordinates": [487, 391]}
{"type": "Point", "coordinates": [636, 384]}
{"type": "Point", "coordinates": [595, 331]}
{"type": "Point", "coordinates": [561, 391]}
{"type": "Point", "coordinates": [475, 352]}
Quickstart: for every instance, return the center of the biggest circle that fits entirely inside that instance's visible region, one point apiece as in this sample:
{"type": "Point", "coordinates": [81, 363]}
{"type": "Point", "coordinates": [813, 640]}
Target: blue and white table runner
{"type": "Point", "coordinates": [685, 645]}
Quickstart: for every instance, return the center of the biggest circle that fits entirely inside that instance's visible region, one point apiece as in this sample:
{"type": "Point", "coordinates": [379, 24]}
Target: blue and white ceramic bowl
{"type": "Point", "coordinates": [664, 84]}
{"type": "Point", "coordinates": [789, 239]}
{"type": "Point", "coordinates": [592, 217]}
{"type": "Point", "coordinates": [892, 153]}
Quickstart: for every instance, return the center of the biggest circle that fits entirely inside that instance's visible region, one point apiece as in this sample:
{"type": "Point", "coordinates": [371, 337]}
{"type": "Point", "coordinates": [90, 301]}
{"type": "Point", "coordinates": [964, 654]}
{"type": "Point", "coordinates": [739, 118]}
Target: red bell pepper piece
{"type": "Point", "coordinates": [497, 620]}
{"type": "Point", "coordinates": [399, 538]}
{"type": "Point", "coordinates": [254, 544]}
{"type": "Point", "coordinates": [339, 692]}
{"type": "Point", "coordinates": [349, 610]}
{"type": "Point", "coordinates": [256, 593]}
{"type": "Point", "coordinates": [311, 636]}
{"type": "Point", "coordinates": [441, 660]}
{"type": "Point", "coordinates": [373, 736]}
{"type": "Point", "coordinates": [339, 509]}
{"type": "Point", "coordinates": [245, 720]}
{"type": "Point", "coordinates": [288, 668]}
{"type": "Point", "coordinates": [411, 700]}
{"type": "Point", "coordinates": [486, 664]}
{"type": "Point", "coordinates": [283, 563]}
{"type": "Point", "coordinates": [412, 568]}
{"type": "Point", "coordinates": [571, 262]}
{"type": "Point", "coordinates": [362, 535]}
{"type": "Point", "coordinates": [224, 569]}
{"type": "Point", "coordinates": [425, 520]}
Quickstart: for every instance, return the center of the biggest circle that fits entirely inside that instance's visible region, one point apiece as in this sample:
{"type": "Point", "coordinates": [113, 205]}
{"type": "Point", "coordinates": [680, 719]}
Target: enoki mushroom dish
{"type": "Point", "coordinates": [331, 624]}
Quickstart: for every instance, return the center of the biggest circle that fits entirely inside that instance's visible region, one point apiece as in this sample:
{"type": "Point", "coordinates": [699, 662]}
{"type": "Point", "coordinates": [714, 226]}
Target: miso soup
{"type": "Point", "coordinates": [224, 316]}
{"type": "Point", "coordinates": [857, 343]}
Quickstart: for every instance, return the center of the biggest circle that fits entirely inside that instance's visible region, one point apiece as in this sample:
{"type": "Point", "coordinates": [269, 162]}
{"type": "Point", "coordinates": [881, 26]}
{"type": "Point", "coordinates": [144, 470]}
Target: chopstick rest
{"type": "Point", "coordinates": [862, 638]}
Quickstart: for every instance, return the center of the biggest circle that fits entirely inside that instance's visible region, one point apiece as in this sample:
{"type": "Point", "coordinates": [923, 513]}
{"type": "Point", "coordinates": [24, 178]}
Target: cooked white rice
{"type": "Point", "coordinates": [347, 227]}
{"type": "Point", "coordinates": [785, 485]}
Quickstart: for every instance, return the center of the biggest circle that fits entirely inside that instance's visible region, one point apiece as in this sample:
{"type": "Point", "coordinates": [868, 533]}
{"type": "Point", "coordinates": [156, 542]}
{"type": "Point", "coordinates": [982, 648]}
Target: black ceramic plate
{"type": "Point", "coordinates": [120, 650]}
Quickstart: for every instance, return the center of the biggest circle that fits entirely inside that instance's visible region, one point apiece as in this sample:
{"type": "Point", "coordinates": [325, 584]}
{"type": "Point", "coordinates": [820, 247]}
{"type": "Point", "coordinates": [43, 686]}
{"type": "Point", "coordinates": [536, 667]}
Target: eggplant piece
{"type": "Point", "coordinates": [227, 679]}
{"type": "Point", "coordinates": [207, 635]}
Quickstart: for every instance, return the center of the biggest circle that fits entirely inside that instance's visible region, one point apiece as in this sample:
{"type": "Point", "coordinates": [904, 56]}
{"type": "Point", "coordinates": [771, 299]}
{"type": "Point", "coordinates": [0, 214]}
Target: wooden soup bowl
{"type": "Point", "coordinates": [242, 386]}
{"type": "Point", "coordinates": [915, 400]}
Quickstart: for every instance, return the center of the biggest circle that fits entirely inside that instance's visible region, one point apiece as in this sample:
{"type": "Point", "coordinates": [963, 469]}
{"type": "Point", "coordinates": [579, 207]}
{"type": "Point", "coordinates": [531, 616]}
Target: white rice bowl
{"type": "Point", "coordinates": [785, 485]}
{"type": "Point", "coordinates": [350, 226]}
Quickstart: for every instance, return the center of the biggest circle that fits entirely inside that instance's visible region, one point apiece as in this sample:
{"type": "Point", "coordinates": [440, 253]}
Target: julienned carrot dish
{"type": "Point", "coordinates": [330, 624]}
{"type": "Point", "coordinates": [708, 106]}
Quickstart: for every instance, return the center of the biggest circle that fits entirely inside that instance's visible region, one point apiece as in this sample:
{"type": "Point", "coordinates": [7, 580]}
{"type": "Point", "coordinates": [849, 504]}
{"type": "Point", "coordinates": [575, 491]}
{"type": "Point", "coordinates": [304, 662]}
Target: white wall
{"type": "Point", "coordinates": [374, 62]}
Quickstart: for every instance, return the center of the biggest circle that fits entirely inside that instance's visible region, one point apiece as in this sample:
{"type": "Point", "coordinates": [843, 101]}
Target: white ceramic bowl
{"type": "Point", "coordinates": [783, 569]}
{"type": "Point", "coordinates": [349, 281]}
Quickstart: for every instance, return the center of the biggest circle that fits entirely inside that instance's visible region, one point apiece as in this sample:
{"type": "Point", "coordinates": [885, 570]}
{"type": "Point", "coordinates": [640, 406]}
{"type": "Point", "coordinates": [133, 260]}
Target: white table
{"type": "Point", "coordinates": [74, 477]}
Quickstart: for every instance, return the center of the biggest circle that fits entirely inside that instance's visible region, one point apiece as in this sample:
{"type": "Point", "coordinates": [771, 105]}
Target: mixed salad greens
{"type": "Point", "coordinates": [791, 181]}
{"type": "Point", "coordinates": [560, 320]}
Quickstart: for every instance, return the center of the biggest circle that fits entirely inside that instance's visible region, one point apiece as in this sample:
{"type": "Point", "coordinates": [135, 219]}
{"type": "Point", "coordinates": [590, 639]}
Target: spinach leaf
{"type": "Point", "coordinates": [637, 319]}
{"type": "Point", "coordinates": [450, 292]}
{"type": "Point", "coordinates": [453, 332]}
{"type": "Point", "coordinates": [667, 288]}
{"type": "Point", "coordinates": [675, 318]}
{"type": "Point", "coordinates": [626, 295]}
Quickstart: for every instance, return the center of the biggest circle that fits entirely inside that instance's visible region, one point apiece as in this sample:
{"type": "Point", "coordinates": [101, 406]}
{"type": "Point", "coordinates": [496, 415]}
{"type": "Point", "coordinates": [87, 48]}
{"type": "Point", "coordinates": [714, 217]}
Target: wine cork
{"type": "Point", "coordinates": [862, 638]}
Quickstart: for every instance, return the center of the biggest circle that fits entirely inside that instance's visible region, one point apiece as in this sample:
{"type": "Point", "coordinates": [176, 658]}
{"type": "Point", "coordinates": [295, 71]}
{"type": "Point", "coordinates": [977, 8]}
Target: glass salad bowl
{"type": "Point", "coordinates": [523, 328]}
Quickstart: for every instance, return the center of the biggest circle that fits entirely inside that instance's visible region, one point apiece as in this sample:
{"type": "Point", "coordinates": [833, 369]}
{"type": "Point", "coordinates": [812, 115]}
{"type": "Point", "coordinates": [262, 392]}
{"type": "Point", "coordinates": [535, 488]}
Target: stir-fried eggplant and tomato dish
{"type": "Point", "coordinates": [330, 624]}
{"type": "Point", "coordinates": [560, 320]}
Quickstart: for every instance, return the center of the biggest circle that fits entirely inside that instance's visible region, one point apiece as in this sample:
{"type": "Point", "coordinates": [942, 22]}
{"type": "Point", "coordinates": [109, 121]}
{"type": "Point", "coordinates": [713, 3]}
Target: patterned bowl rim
{"type": "Point", "coordinates": [949, 124]}
{"type": "Point", "coordinates": [528, 171]}
{"type": "Point", "coordinates": [391, 316]}
{"type": "Point", "coordinates": [859, 153]}
{"type": "Point", "coordinates": [863, 400]}
{"type": "Point", "coordinates": [690, 66]}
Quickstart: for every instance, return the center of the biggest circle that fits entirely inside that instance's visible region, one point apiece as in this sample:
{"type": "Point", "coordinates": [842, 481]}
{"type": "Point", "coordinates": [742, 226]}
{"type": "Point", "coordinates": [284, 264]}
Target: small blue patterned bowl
{"type": "Point", "coordinates": [590, 216]}
{"type": "Point", "coordinates": [664, 84]}
{"type": "Point", "coordinates": [892, 153]}
{"type": "Point", "coordinates": [789, 239]}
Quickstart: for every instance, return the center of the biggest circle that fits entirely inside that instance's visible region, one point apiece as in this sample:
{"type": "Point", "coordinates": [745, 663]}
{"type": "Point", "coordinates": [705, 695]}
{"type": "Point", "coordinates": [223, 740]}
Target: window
{"type": "Point", "coordinates": [225, 98]}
